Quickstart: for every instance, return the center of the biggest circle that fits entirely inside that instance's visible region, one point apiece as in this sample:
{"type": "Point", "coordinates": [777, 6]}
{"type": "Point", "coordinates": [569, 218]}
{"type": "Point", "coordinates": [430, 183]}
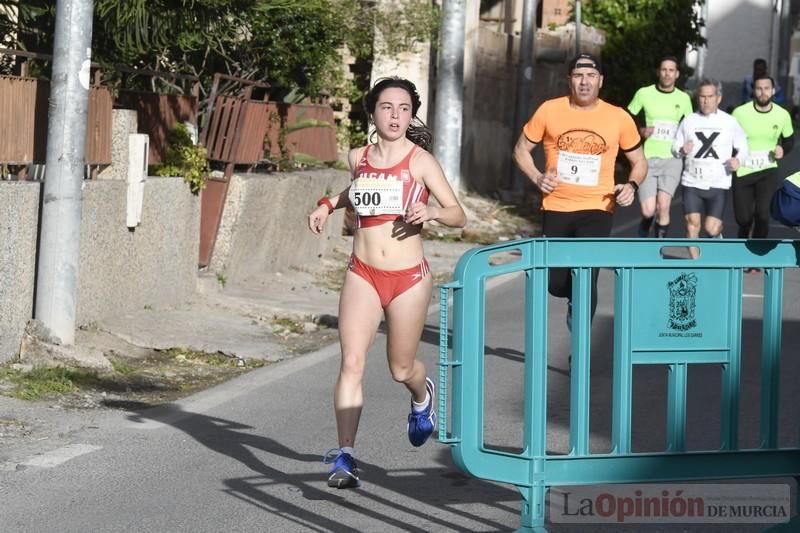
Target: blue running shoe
{"type": "Point", "coordinates": [344, 472]}
{"type": "Point", "coordinates": [422, 424]}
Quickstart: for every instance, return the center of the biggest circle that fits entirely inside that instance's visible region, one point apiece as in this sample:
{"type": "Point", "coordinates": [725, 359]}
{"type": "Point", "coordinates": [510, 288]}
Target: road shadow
{"type": "Point", "coordinates": [392, 497]}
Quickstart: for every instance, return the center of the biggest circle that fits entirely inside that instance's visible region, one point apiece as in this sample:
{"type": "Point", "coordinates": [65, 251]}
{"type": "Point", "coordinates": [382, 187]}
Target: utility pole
{"type": "Point", "coordinates": [449, 108]}
{"type": "Point", "coordinates": [784, 47]}
{"type": "Point", "coordinates": [59, 243]}
{"type": "Point", "coordinates": [578, 27]}
{"type": "Point", "coordinates": [524, 82]}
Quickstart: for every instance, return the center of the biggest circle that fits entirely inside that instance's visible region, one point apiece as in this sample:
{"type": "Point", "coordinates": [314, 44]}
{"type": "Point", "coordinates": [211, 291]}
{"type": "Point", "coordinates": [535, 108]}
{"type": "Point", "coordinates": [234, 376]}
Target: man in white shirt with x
{"type": "Point", "coordinates": [712, 144]}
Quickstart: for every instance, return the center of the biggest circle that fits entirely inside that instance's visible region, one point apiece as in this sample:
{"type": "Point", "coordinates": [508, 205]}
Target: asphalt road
{"type": "Point", "coordinates": [246, 456]}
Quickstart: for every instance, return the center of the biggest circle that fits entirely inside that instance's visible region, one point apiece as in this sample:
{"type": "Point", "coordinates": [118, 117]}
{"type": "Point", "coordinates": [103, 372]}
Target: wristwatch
{"type": "Point", "coordinates": [634, 185]}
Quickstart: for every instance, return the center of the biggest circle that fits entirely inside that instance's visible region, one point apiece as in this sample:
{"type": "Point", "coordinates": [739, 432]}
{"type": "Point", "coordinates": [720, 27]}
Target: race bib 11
{"type": "Point", "coordinates": [705, 169]}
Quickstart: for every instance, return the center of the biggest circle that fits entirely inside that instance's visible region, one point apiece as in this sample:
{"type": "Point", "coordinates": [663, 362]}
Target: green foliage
{"type": "Point", "coordinates": [638, 34]}
{"type": "Point", "coordinates": [356, 136]}
{"type": "Point", "coordinates": [406, 24]}
{"type": "Point", "coordinates": [288, 159]}
{"type": "Point", "coordinates": [298, 46]}
{"type": "Point", "coordinates": [306, 160]}
{"type": "Point", "coordinates": [305, 123]}
{"type": "Point", "coordinates": [31, 29]}
{"type": "Point", "coordinates": [294, 45]}
{"type": "Point", "coordinates": [185, 159]}
{"type": "Point", "coordinates": [219, 359]}
{"type": "Point", "coordinates": [139, 27]}
{"type": "Point", "coordinates": [42, 383]}
{"type": "Point", "coordinates": [121, 367]}
{"type": "Point", "coordinates": [286, 325]}
{"type": "Point", "coordinates": [294, 97]}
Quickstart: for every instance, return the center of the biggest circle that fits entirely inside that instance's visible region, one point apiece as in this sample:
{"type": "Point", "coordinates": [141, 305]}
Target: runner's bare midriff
{"type": "Point", "coordinates": [390, 246]}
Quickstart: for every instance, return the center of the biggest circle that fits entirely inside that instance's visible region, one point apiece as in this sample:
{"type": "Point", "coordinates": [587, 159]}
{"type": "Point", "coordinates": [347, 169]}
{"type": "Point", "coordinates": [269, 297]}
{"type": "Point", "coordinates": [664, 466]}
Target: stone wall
{"type": "Point", "coordinates": [19, 215]}
{"type": "Point", "coordinates": [120, 270]}
{"type": "Point", "coordinates": [264, 224]}
{"type": "Point", "coordinates": [154, 264]}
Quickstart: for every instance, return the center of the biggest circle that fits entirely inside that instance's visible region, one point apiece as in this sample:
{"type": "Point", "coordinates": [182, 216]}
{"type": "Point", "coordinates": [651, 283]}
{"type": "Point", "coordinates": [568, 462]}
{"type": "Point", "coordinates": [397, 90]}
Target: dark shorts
{"type": "Point", "coordinates": [711, 201]}
{"type": "Point", "coordinates": [577, 224]}
{"type": "Point", "coordinates": [586, 223]}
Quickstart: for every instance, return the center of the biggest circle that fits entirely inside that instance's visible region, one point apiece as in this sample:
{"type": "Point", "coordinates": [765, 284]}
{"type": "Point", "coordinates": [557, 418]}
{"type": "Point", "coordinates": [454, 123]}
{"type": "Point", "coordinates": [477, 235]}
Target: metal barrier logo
{"type": "Point", "coordinates": [671, 503]}
{"type": "Point", "coordinates": [682, 306]}
{"type": "Point", "coordinates": [682, 294]}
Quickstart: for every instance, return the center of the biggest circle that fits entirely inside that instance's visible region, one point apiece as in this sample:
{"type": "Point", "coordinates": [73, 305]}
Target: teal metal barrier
{"type": "Point", "coordinates": [667, 311]}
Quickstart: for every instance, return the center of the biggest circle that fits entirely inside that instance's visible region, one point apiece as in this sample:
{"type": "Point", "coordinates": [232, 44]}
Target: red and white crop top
{"type": "Point", "coordinates": [381, 195]}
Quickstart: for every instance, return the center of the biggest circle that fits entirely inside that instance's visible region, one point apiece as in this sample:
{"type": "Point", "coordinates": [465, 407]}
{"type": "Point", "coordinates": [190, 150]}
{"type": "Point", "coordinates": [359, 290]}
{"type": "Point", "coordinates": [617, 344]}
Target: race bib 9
{"type": "Point", "coordinates": [663, 130]}
{"type": "Point", "coordinates": [578, 169]}
{"type": "Point", "coordinates": [370, 197]}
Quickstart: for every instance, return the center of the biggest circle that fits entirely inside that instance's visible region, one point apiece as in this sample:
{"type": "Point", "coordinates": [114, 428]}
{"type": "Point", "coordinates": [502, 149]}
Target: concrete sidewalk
{"type": "Point", "coordinates": [267, 315]}
{"type": "Point", "coordinates": [245, 320]}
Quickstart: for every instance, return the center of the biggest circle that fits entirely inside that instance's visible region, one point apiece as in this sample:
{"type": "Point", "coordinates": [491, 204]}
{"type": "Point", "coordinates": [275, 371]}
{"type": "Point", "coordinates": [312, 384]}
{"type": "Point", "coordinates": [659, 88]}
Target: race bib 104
{"type": "Point", "coordinates": [370, 197]}
{"type": "Point", "coordinates": [578, 169]}
{"type": "Point", "coordinates": [663, 130]}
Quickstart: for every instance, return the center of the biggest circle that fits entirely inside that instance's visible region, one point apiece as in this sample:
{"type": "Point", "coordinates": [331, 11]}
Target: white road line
{"type": "Point", "coordinates": [60, 455]}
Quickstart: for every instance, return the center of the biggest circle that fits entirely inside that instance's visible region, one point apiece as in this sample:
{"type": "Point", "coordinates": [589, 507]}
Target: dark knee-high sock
{"type": "Point", "coordinates": [744, 232]}
{"type": "Point", "coordinates": [644, 226]}
{"type": "Point", "coordinates": [661, 230]}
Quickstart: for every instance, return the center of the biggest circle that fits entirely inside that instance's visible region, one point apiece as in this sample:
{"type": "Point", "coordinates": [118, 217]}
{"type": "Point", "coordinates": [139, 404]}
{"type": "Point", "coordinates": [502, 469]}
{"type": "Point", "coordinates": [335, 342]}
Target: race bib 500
{"type": "Point", "coordinates": [371, 197]}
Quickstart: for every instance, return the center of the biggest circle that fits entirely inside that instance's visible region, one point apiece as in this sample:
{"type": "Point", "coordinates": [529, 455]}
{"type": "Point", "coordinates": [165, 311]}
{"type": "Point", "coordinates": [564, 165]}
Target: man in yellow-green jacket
{"type": "Point", "coordinates": [770, 136]}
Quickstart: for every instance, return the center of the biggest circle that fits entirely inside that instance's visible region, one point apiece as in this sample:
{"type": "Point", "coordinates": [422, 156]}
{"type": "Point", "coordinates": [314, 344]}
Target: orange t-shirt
{"type": "Point", "coordinates": [581, 148]}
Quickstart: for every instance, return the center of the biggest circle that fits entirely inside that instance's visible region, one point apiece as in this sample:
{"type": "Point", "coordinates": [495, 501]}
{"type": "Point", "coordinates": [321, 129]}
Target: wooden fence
{"type": "Point", "coordinates": [156, 114]}
{"type": "Point", "coordinates": [241, 131]}
{"type": "Point", "coordinates": [238, 131]}
{"type": "Point", "coordinates": [23, 119]}
{"type": "Point", "coordinates": [244, 131]}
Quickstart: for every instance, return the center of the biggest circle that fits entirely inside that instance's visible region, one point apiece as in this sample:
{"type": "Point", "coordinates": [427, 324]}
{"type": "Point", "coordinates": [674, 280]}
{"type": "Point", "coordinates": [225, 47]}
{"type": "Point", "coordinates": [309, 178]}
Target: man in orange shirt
{"type": "Point", "coordinates": [582, 135]}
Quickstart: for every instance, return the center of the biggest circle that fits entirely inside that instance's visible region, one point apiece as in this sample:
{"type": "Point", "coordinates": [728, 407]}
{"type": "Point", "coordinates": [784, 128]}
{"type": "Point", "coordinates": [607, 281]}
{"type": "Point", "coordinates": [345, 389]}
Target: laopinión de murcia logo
{"type": "Point", "coordinates": [682, 302]}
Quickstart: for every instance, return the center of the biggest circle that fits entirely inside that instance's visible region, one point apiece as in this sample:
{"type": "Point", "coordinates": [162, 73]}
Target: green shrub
{"type": "Point", "coordinates": [183, 158]}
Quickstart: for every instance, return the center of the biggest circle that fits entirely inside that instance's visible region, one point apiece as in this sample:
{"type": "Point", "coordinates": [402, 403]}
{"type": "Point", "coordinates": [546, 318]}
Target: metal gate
{"type": "Point", "coordinates": [666, 312]}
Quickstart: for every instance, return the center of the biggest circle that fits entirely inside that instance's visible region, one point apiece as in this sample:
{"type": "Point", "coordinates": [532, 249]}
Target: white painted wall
{"type": "Point", "coordinates": [738, 31]}
{"type": "Point", "coordinates": [414, 66]}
